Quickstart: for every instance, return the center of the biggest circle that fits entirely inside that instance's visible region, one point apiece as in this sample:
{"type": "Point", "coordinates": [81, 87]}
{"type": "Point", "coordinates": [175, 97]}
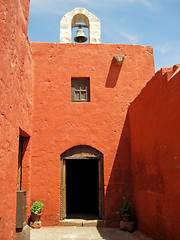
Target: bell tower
{"type": "Point", "coordinates": [80, 17]}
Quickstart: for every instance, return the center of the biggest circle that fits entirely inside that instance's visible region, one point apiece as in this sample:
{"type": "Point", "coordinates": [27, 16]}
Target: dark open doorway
{"type": "Point", "coordinates": [82, 188]}
{"type": "Point", "coordinates": [23, 143]}
{"type": "Point", "coordinates": [82, 183]}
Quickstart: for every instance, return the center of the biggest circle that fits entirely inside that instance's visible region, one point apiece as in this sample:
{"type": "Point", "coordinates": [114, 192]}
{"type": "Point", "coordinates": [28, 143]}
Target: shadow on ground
{"type": "Point", "coordinates": [81, 233]}
{"type": "Point", "coordinates": [115, 234]}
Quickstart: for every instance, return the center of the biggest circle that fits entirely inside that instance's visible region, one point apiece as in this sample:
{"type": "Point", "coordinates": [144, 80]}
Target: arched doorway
{"type": "Point", "coordinates": [82, 185]}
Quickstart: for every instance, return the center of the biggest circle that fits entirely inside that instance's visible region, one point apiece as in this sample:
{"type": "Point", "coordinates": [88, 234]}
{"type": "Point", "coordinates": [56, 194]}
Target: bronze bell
{"type": "Point", "coordinates": [80, 36]}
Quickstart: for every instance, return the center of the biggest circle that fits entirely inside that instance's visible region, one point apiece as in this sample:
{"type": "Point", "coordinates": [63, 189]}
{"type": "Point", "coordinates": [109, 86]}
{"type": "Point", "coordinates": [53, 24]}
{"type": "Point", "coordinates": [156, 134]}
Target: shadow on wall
{"type": "Point", "coordinates": [120, 183]}
{"type": "Point", "coordinates": [155, 153]}
{"type": "Point", "coordinates": [113, 75]}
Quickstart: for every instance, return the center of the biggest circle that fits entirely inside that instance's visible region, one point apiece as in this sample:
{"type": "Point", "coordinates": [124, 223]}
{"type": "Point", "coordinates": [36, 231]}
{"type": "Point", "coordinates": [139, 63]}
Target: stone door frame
{"type": "Point", "coordinates": [81, 152]}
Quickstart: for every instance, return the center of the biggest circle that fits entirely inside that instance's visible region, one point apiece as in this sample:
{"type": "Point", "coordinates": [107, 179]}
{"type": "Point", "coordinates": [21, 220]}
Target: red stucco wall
{"type": "Point", "coordinates": [16, 89]}
{"type": "Point", "coordinates": [60, 124]}
{"type": "Point", "coordinates": [140, 148]}
{"type": "Point", "coordinates": [155, 134]}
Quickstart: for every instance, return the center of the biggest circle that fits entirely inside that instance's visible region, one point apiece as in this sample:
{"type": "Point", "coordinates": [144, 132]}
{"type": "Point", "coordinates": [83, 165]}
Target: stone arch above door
{"type": "Point", "coordinates": [81, 152]}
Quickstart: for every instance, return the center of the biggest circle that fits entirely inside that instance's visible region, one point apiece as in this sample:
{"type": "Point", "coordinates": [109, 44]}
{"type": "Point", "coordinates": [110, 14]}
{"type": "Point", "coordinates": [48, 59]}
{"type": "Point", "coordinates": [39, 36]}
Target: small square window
{"type": "Point", "coordinates": [80, 90]}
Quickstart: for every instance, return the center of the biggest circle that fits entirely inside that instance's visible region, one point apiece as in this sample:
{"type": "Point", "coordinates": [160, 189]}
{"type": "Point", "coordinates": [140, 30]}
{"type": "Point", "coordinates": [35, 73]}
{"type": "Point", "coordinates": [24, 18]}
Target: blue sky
{"type": "Point", "coordinates": [141, 22]}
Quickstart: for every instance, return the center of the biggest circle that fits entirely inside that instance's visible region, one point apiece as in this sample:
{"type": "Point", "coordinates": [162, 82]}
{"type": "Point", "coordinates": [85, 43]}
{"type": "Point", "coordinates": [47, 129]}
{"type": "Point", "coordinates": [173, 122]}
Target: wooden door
{"type": "Point", "coordinates": [100, 188]}
{"type": "Point", "coordinates": [19, 172]}
{"type": "Point", "coordinates": [63, 190]}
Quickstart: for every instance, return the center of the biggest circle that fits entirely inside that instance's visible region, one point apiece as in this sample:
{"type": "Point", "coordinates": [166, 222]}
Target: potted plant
{"type": "Point", "coordinates": [125, 213]}
{"type": "Point", "coordinates": [36, 210]}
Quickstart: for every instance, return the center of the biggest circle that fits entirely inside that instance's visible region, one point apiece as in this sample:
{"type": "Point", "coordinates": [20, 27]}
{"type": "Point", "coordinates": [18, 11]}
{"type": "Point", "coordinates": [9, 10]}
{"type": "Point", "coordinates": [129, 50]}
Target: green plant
{"type": "Point", "coordinates": [36, 208]}
{"type": "Point", "coordinates": [125, 208]}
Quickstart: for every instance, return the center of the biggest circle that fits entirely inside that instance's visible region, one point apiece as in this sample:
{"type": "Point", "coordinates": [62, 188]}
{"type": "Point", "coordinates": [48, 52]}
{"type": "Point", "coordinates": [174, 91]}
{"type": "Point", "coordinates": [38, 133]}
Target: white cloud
{"type": "Point", "coordinates": [147, 3]}
{"type": "Point", "coordinates": [56, 6]}
{"type": "Point", "coordinates": [131, 37]}
{"type": "Point", "coordinates": [163, 48]}
{"type": "Point", "coordinates": [48, 6]}
{"type": "Point", "coordinates": [41, 5]}
{"type": "Point", "coordinates": [167, 59]}
{"type": "Point", "coordinates": [60, 5]}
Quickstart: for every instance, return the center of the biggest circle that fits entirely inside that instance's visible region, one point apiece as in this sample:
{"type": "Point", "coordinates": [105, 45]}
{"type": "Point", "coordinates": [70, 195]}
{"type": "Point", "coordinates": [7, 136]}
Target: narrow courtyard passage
{"type": "Point", "coordinates": [83, 233]}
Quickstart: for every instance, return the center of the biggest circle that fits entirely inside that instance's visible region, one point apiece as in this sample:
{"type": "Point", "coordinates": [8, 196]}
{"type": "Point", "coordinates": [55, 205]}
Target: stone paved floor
{"type": "Point", "coordinates": [80, 233]}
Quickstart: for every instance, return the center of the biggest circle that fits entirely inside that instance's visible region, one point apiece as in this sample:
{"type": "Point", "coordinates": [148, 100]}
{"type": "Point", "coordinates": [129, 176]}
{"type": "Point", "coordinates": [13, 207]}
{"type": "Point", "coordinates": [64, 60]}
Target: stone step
{"type": "Point", "coordinates": [82, 223]}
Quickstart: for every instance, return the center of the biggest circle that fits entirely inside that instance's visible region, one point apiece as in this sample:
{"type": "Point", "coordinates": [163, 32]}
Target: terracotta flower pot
{"type": "Point", "coordinates": [35, 217]}
{"type": "Point", "coordinates": [126, 218]}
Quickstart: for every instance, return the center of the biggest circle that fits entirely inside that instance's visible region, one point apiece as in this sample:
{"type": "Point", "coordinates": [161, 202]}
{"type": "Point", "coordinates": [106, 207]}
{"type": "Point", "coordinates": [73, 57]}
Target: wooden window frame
{"type": "Point", "coordinates": [80, 90]}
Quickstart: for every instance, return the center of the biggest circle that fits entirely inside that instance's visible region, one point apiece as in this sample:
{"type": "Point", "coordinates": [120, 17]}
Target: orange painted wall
{"type": "Point", "coordinates": [140, 146]}
{"type": "Point", "coordinates": [155, 149]}
{"type": "Point", "coordinates": [60, 124]}
{"type": "Point", "coordinates": [16, 89]}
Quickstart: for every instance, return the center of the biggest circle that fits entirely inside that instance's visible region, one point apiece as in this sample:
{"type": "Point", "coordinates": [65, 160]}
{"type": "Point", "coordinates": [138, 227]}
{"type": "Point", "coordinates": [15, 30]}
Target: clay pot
{"type": "Point", "coordinates": [126, 218]}
{"type": "Point", "coordinates": [35, 217]}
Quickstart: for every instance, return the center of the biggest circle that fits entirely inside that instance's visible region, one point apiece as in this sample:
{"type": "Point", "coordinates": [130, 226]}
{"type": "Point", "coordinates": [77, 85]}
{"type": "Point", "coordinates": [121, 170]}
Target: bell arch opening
{"type": "Point", "coordinates": [80, 18]}
{"type": "Point", "coordinates": [82, 185]}
{"type": "Point", "coordinates": [80, 15]}
{"type": "Point", "coordinates": [80, 21]}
